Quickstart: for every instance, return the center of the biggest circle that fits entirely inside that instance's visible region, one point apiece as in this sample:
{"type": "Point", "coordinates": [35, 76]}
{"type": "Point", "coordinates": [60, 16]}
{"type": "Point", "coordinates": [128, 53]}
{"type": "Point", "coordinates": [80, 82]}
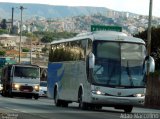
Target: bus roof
{"type": "Point", "coordinates": [22, 65]}
{"type": "Point", "coordinates": [102, 35]}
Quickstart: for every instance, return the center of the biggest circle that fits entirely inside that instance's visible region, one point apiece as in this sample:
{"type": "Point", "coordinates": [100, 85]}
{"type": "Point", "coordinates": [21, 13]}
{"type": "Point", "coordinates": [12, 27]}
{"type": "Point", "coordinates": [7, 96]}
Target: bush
{"type": "Point", "coordinates": [2, 53]}
{"type": "Point", "coordinates": [25, 50]}
{"type": "Point", "coordinates": [44, 49]}
{"type": "Point", "coordinates": [64, 55]}
{"type": "Point", "coordinates": [3, 31]}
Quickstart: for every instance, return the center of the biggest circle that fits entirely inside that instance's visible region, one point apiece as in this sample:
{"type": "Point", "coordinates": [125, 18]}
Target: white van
{"type": "Point", "coordinates": [21, 80]}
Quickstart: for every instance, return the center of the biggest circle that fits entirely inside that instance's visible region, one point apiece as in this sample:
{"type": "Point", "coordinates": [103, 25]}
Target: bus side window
{"type": "Point", "coordinates": [89, 47]}
{"type": "Point", "coordinates": [88, 50]}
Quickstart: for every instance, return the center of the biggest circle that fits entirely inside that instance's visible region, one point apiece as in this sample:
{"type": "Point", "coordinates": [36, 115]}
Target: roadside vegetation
{"type": "Point", "coordinates": [153, 82]}
{"type": "Point", "coordinates": [47, 37]}
{"type": "Point", "coordinates": [155, 44]}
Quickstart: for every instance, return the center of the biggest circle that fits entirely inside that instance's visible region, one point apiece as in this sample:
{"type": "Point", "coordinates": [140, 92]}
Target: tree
{"type": "Point", "coordinates": [25, 50]}
{"type": "Point", "coordinates": [2, 53]}
{"type": "Point", "coordinates": [3, 31]}
{"type": "Point", "coordinates": [44, 49]}
{"type": "Point", "coordinates": [50, 36]}
{"type": "Point", "coordinates": [47, 39]}
{"type": "Point", "coordinates": [155, 44]}
{"type": "Point", "coordinates": [4, 24]}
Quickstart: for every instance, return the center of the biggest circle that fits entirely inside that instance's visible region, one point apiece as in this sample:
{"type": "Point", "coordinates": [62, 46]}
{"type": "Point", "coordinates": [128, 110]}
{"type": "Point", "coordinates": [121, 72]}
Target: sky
{"type": "Point", "coordinates": [134, 6]}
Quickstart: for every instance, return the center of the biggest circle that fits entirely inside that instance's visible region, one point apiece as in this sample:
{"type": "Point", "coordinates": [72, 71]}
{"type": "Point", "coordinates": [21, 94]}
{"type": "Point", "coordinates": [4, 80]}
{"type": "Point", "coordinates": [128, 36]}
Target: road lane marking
{"type": "Point", "coordinates": [17, 110]}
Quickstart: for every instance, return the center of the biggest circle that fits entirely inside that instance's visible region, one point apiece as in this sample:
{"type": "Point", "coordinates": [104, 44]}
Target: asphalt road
{"type": "Point", "coordinates": [43, 108]}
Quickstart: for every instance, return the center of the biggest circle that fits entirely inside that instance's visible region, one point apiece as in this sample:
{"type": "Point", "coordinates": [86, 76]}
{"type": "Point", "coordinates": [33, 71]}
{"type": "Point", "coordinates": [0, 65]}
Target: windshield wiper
{"type": "Point", "coordinates": [97, 70]}
{"type": "Point", "coordinates": [111, 75]}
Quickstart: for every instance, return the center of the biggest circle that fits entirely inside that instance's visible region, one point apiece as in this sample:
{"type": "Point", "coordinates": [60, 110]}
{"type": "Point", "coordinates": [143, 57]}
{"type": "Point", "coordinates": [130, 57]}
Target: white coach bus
{"type": "Point", "coordinates": [96, 69]}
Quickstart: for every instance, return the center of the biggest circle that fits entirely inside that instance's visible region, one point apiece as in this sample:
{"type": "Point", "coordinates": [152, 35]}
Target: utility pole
{"type": "Point", "coordinates": [31, 45]}
{"type": "Point", "coordinates": [31, 51]}
{"type": "Point", "coordinates": [149, 36]}
{"type": "Point", "coordinates": [12, 20]}
{"type": "Point", "coordinates": [148, 91]}
{"type": "Point", "coordinates": [149, 29]}
{"type": "Point", "coordinates": [21, 8]}
{"type": "Point", "coordinates": [31, 48]}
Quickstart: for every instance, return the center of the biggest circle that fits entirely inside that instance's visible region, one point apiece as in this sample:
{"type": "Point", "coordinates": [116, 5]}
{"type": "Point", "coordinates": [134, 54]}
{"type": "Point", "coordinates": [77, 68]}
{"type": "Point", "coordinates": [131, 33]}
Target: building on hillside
{"type": "Point", "coordinates": [8, 41]}
{"type": "Point", "coordinates": [11, 42]}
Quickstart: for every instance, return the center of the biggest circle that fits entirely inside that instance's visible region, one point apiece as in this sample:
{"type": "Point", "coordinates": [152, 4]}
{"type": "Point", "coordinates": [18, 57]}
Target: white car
{"type": "Point", "coordinates": [43, 89]}
{"type": "Point", "coordinates": [1, 87]}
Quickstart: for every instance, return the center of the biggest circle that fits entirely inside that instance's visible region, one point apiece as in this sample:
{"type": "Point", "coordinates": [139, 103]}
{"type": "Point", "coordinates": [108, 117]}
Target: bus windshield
{"type": "Point", "coordinates": [32, 72]}
{"type": "Point", "coordinates": [119, 64]}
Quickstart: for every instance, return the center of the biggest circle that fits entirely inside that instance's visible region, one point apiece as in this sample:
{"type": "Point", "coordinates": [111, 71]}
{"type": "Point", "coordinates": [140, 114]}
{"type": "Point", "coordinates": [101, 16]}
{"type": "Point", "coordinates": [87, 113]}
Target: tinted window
{"type": "Point", "coordinates": [43, 84]}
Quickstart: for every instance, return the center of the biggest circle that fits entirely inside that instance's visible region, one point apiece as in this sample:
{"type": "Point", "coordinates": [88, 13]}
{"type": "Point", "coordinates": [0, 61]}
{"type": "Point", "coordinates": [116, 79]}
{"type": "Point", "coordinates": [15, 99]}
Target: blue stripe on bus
{"type": "Point", "coordinates": [53, 76]}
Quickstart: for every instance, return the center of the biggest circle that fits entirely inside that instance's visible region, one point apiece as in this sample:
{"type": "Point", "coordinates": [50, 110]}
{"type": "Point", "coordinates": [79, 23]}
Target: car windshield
{"type": "Point", "coordinates": [119, 64]}
{"type": "Point", "coordinates": [44, 84]}
{"type": "Point", "coordinates": [32, 72]}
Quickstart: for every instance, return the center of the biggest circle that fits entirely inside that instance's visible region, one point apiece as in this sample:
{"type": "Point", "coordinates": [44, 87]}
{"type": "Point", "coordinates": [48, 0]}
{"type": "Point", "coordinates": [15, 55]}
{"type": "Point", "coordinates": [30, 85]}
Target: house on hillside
{"type": "Point", "coordinates": [11, 42]}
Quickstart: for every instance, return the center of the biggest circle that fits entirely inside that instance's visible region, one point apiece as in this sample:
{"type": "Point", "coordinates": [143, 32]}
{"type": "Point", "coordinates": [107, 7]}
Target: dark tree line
{"type": "Point", "coordinates": [155, 44]}
{"type": "Point", "coordinates": [4, 24]}
{"type": "Point", "coordinates": [51, 36]}
{"type": "Point", "coordinates": [3, 27]}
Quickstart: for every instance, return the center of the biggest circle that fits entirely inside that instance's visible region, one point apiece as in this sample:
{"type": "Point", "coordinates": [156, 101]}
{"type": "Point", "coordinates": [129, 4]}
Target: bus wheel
{"type": "Point", "coordinates": [95, 107]}
{"type": "Point", "coordinates": [128, 109]}
{"type": "Point", "coordinates": [98, 107]}
{"type": "Point", "coordinates": [64, 104]}
{"type": "Point", "coordinates": [82, 105]}
{"type": "Point", "coordinates": [56, 101]}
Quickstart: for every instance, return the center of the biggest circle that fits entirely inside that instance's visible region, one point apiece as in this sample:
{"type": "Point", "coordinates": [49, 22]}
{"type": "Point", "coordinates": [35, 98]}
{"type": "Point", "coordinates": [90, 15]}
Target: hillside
{"type": "Point", "coordinates": [47, 11]}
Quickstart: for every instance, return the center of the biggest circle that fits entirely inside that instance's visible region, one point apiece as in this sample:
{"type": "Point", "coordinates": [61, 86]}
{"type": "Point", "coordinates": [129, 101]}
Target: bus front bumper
{"type": "Point", "coordinates": [114, 100]}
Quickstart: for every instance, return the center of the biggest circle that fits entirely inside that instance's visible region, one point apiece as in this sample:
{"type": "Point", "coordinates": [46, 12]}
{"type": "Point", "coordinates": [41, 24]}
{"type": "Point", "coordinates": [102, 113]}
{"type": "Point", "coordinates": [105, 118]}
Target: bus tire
{"type": "Point", "coordinates": [95, 107]}
{"type": "Point", "coordinates": [56, 101]}
{"type": "Point", "coordinates": [64, 103]}
{"type": "Point", "coordinates": [128, 109]}
{"type": "Point", "coordinates": [82, 105]}
{"type": "Point", "coordinates": [99, 107]}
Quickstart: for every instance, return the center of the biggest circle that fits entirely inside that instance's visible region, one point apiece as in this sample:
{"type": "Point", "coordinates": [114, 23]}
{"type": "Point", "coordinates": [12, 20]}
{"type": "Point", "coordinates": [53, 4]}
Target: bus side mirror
{"type": "Point", "coordinates": [151, 63]}
{"type": "Point", "coordinates": [44, 75]}
{"type": "Point", "coordinates": [91, 60]}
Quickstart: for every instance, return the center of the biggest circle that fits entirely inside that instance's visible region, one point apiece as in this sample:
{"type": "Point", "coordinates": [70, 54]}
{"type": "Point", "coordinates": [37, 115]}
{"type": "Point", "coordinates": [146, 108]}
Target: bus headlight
{"type": "Point", "coordinates": [139, 95]}
{"type": "Point", "coordinates": [98, 92]}
{"type": "Point", "coordinates": [36, 88]}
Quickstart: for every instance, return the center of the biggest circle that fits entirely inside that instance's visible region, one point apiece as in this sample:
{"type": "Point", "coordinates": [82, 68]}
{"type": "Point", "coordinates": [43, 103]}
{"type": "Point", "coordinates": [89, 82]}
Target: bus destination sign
{"type": "Point", "coordinates": [105, 28]}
